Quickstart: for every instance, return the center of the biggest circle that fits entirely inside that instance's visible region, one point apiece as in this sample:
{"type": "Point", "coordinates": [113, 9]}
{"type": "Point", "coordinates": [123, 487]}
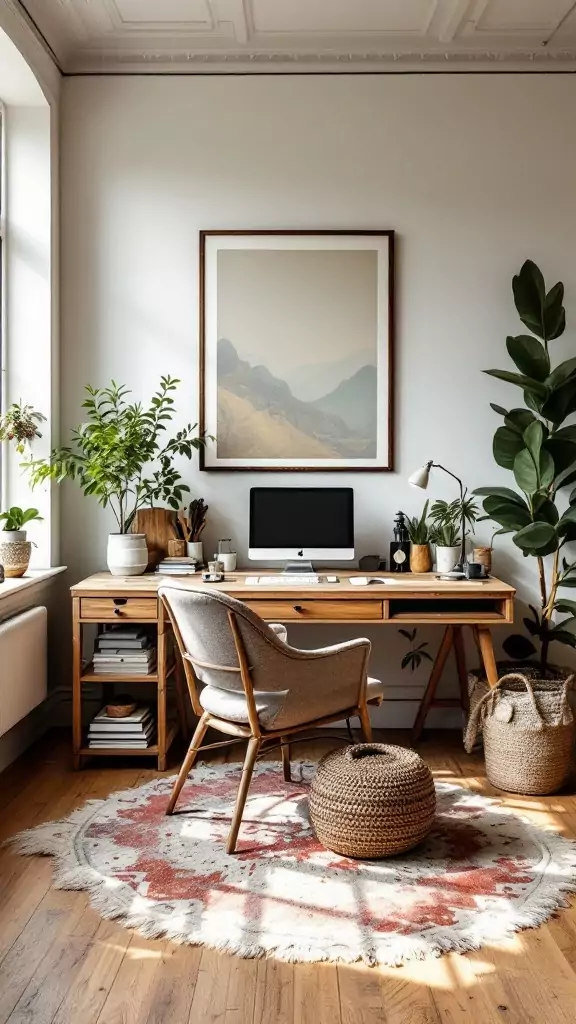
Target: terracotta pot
{"type": "Point", "coordinates": [420, 558]}
{"type": "Point", "coordinates": [15, 556]}
{"type": "Point", "coordinates": [484, 556]}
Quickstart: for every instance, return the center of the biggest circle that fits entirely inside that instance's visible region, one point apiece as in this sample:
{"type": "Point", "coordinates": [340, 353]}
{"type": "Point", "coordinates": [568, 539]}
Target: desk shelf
{"type": "Point", "coordinates": [151, 751]}
{"type": "Point", "coordinates": [123, 677]}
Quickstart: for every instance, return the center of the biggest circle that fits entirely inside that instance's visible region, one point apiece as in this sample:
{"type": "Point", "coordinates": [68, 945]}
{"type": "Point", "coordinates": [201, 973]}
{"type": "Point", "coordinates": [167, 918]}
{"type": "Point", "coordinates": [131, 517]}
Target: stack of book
{"type": "Point", "coordinates": [133, 732]}
{"type": "Point", "coordinates": [177, 566]}
{"type": "Point", "coordinates": [124, 650]}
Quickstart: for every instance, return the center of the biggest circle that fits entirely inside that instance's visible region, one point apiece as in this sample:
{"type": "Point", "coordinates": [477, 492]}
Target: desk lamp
{"type": "Point", "coordinates": [420, 478]}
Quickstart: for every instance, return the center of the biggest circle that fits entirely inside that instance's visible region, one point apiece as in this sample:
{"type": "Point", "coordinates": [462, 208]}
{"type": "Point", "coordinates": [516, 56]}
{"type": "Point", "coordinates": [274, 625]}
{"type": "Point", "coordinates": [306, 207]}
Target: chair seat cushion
{"type": "Point", "coordinates": [231, 704]}
{"type": "Point", "coordinates": [374, 691]}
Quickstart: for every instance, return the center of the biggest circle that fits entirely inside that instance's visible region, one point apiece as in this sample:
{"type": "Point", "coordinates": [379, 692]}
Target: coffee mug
{"type": "Point", "coordinates": [476, 571]}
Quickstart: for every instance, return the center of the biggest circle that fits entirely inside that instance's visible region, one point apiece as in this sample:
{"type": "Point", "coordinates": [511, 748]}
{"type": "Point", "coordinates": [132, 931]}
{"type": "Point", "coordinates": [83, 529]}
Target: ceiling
{"type": "Point", "coordinates": [203, 36]}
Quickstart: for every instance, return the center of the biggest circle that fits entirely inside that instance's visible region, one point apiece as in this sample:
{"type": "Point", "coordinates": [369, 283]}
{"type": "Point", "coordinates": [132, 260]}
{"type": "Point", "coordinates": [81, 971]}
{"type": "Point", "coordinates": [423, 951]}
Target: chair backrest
{"type": "Point", "coordinates": [202, 618]}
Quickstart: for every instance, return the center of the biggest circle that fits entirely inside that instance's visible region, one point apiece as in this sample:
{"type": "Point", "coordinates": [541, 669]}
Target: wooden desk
{"type": "Point", "coordinates": [411, 599]}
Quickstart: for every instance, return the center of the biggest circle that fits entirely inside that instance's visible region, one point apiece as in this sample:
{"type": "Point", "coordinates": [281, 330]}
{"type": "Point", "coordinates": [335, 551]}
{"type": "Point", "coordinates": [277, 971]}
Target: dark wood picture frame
{"type": "Point", "coordinates": [383, 233]}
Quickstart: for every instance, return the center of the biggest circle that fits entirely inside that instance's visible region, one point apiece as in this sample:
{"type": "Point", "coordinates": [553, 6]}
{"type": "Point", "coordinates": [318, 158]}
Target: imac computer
{"type": "Point", "coordinates": [301, 523]}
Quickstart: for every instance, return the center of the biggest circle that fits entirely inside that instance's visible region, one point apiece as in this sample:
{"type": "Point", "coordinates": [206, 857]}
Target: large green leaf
{"type": "Point", "coordinates": [529, 297]}
{"type": "Point", "coordinates": [564, 605]}
{"type": "Point", "coordinates": [499, 409]}
{"type": "Point", "coordinates": [529, 355]}
{"type": "Point", "coordinates": [561, 372]}
{"type": "Point", "coordinates": [570, 581]}
{"type": "Point", "coordinates": [535, 538]}
{"type": "Point", "coordinates": [561, 401]}
{"type": "Point", "coordinates": [566, 433]}
{"type": "Point", "coordinates": [519, 419]}
{"type": "Point", "coordinates": [567, 519]}
{"type": "Point", "coordinates": [525, 472]}
{"type": "Point", "coordinates": [507, 513]}
{"type": "Point", "coordinates": [545, 469]}
{"type": "Point", "coordinates": [521, 381]}
{"type": "Point", "coordinates": [554, 312]}
{"type": "Point", "coordinates": [506, 445]}
{"type": "Point", "coordinates": [562, 636]}
{"type": "Point", "coordinates": [562, 452]}
{"type": "Point", "coordinates": [502, 492]}
{"type": "Point", "coordinates": [546, 510]}
{"type": "Point", "coordinates": [533, 439]}
{"type": "Point", "coordinates": [533, 402]}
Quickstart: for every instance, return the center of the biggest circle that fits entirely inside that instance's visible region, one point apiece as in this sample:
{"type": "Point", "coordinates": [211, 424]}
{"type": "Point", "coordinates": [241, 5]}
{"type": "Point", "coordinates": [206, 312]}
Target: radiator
{"type": "Point", "coordinates": [22, 666]}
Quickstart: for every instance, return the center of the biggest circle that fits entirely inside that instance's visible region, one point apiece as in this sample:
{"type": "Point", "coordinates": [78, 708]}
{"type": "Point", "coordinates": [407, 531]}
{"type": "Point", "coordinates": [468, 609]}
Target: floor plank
{"type": "Point", "coordinates": [60, 963]}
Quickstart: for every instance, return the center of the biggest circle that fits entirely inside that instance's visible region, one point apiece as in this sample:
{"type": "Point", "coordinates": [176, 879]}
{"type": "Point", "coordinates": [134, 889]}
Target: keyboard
{"type": "Point", "coordinates": [286, 579]}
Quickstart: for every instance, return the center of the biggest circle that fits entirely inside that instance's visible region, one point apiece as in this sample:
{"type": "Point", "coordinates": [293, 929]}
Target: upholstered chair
{"type": "Point", "coordinates": [246, 681]}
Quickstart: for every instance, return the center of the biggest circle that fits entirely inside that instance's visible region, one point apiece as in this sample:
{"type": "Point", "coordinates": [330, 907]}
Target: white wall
{"type": "Point", "coordinates": [475, 173]}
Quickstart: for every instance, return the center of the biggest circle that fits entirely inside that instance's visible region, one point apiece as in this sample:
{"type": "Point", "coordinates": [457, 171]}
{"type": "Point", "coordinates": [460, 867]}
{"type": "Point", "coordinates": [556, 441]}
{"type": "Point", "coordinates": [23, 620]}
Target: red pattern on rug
{"type": "Point", "coordinates": [483, 871]}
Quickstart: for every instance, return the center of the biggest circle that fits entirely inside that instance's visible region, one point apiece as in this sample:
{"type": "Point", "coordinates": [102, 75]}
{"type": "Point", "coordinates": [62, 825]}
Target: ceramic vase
{"type": "Point", "coordinates": [195, 550]}
{"type": "Point", "coordinates": [420, 558]}
{"type": "Point", "coordinates": [447, 558]}
{"type": "Point", "coordinates": [127, 554]}
{"type": "Point", "coordinates": [15, 552]}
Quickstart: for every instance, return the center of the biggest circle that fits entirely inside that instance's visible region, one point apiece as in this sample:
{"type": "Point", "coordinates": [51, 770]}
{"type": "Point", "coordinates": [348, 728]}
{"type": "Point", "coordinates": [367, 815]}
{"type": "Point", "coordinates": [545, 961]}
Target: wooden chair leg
{"type": "Point", "coordinates": [188, 761]}
{"type": "Point", "coordinates": [249, 761]}
{"type": "Point", "coordinates": [286, 759]}
{"type": "Point", "coordinates": [365, 724]}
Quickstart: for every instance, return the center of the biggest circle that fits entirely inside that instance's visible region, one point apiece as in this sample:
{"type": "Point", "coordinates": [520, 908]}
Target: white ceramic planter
{"type": "Point", "coordinates": [13, 536]}
{"type": "Point", "coordinates": [195, 550]}
{"type": "Point", "coordinates": [127, 554]}
{"type": "Point", "coordinates": [446, 558]}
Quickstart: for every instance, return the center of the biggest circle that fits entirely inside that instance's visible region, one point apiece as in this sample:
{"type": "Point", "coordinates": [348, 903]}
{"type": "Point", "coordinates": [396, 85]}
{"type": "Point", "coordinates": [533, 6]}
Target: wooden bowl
{"type": "Point", "coordinates": [120, 710]}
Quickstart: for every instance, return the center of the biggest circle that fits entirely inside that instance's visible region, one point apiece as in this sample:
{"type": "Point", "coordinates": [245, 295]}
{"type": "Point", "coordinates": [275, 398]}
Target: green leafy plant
{"type": "Point", "coordinates": [447, 518]}
{"type": "Point", "coordinates": [418, 528]}
{"type": "Point", "coordinates": [539, 448]}
{"type": "Point", "coordinates": [417, 653]}
{"type": "Point", "coordinates": [19, 424]}
{"type": "Point", "coordinates": [120, 456]}
{"type": "Point", "coordinates": [15, 518]}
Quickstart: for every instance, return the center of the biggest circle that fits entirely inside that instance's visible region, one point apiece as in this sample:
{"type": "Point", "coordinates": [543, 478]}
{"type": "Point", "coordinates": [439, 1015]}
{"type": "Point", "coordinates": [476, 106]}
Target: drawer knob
{"type": "Point", "coordinates": [298, 608]}
{"type": "Point", "coordinates": [117, 611]}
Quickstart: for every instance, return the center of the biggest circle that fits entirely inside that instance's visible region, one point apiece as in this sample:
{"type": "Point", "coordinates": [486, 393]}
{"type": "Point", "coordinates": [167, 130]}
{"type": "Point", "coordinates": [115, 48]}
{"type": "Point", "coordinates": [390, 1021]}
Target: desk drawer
{"type": "Point", "coordinates": [115, 609]}
{"type": "Point", "coordinates": [311, 610]}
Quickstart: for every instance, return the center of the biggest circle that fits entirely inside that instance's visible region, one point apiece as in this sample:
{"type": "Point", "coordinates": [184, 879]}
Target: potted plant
{"type": "Point", "coordinates": [121, 457]}
{"type": "Point", "coordinates": [19, 425]}
{"type": "Point", "coordinates": [448, 521]}
{"type": "Point", "coordinates": [15, 550]}
{"type": "Point", "coordinates": [419, 534]}
{"type": "Point", "coordinates": [539, 448]}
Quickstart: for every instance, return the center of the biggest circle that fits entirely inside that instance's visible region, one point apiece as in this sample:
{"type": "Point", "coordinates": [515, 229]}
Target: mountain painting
{"type": "Point", "coordinates": [296, 375]}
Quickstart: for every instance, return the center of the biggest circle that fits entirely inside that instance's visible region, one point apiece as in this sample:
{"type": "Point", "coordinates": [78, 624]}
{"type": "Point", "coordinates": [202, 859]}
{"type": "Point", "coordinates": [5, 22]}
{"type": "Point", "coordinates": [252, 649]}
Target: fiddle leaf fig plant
{"type": "Point", "coordinates": [537, 445]}
{"type": "Point", "coordinates": [120, 455]}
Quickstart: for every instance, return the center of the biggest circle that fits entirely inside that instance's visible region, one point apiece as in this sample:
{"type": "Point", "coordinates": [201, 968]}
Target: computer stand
{"type": "Point", "coordinates": [295, 567]}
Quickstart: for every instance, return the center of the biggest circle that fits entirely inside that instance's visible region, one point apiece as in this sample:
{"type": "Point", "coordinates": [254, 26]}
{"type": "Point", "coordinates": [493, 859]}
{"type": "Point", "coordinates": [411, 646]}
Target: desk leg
{"type": "Point", "coordinates": [460, 654]}
{"type": "Point", "coordinates": [161, 708]}
{"type": "Point", "coordinates": [437, 669]}
{"type": "Point", "coordinates": [76, 683]}
{"type": "Point", "coordinates": [484, 639]}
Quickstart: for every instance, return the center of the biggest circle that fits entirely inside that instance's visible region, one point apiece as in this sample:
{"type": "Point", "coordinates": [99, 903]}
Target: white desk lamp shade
{"type": "Point", "coordinates": [420, 478]}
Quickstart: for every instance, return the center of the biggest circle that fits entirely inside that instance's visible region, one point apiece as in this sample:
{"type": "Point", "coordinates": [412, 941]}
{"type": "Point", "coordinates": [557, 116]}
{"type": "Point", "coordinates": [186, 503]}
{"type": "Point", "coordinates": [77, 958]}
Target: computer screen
{"type": "Point", "coordinates": [309, 518]}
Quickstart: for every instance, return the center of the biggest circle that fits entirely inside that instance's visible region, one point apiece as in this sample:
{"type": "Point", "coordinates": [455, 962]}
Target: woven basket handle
{"type": "Point", "coordinates": [474, 720]}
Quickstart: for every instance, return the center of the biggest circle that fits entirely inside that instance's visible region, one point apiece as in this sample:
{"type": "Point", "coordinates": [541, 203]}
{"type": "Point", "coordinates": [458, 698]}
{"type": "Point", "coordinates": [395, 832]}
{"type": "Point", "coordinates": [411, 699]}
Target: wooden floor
{"type": "Point", "coordinates": [61, 963]}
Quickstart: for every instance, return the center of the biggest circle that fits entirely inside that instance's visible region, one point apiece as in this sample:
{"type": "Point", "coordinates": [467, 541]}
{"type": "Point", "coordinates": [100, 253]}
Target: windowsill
{"type": "Point", "coordinates": [33, 578]}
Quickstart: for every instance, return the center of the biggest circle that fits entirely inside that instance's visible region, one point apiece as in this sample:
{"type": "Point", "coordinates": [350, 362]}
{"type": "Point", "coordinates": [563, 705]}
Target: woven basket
{"type": "Point", "coordinates": [529, 733]}
{"type": "Point", "coordinates": [372, 800]}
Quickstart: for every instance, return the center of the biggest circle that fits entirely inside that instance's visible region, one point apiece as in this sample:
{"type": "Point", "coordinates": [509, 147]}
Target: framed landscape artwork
{"type": "Point", "coordinates": [296, 345]}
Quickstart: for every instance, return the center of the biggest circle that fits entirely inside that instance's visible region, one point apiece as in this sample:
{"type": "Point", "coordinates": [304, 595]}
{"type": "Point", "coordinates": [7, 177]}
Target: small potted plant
{"type": "Point", "coordinates": [449, 522]}
{"type": "Point", "coordinates": [419, 533]}
{"type": "Point", "coordinates": [19, 425]}
{"type": "Point", "coordinates": [122, 458]}
{"type": "Point", "coordinates": [15, 550]}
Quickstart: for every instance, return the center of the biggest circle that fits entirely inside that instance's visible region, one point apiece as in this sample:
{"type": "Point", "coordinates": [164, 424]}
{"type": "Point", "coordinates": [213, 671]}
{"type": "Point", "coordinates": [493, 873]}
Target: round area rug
{"type": "Point", "coordinates": [483, 872]}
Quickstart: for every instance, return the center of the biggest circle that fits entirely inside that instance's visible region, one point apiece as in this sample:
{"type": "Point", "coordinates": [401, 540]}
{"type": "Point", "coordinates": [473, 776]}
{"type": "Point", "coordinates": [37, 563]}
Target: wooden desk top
{"type": "Point", "coordinates": [413, 585]}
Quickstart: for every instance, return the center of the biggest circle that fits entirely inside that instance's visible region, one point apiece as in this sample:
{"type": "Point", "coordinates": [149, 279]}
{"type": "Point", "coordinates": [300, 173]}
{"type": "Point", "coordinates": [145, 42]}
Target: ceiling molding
{"type": "Point", "coordinates": [305, 36]}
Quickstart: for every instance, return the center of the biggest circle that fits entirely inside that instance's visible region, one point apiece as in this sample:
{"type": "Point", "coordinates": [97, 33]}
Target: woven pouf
{"type": "Point", "coordinates": [372, 800]}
